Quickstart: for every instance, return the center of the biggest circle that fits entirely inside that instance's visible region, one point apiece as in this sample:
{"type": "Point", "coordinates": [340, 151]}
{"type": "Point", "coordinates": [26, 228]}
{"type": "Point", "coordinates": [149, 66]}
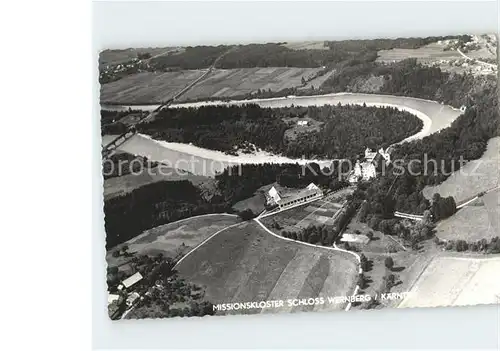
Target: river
{"type": "Point", "coordinates": [200, 161]}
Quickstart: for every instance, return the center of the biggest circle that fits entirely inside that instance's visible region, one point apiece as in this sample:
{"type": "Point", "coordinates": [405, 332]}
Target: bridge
{"type": "Point", "coordinates": [109, 149]}
{"type": "Point", "coordinates": [408, 216]}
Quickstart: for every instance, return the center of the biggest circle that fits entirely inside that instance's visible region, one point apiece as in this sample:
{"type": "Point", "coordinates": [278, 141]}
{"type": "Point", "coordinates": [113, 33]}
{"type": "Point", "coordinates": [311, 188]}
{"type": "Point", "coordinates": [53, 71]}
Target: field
{"type": "Point", "coordinates": [454, 281]}
{"type": "Point", "coordinates": [233, 82]}
{"type": "Point", "coordinates": [116, 186]}
{"type": "Point", "coordinates": [245, 263]}
{"type": "Point", "coordinates": [151, 87]}
{"type": "Point", "coordinates": [174, 238]}
{"type": "Point", "coordinates": [306, 45]}
{"type": "Point", "coordinates": [427, 53]}
{"type": "Point", "coordinates": [476, 176]}
{"type": "Point", "coordinates": [147, 87]}
{"type": "Point", "coordinates": [317, 82]}
{"type": "Point", "coordinates": [476, 221]}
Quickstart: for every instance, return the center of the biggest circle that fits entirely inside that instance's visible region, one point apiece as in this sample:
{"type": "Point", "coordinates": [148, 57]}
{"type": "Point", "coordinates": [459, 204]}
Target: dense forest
{"type": "Point", "coordinates": [346, 132]}
{"type": "Point", "coordinates": [193, 57]}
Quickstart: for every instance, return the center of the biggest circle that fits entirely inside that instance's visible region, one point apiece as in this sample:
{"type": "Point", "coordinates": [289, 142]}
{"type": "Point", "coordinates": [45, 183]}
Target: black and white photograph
{"type": "Point", "coordinates": [300, 176]}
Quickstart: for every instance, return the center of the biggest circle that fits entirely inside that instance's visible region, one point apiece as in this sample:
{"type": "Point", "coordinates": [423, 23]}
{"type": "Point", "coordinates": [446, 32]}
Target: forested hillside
{"type": "Point", "coordinates": [465, 139]}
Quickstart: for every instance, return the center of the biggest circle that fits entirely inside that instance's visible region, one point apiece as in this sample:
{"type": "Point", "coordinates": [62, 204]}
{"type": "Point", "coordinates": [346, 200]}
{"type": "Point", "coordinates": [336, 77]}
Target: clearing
{"type": "Point", "coordinates": [476, 176]}
{"type": "Point", "coordinates": [245, 263]}
{"type": "Point", "coordinates": [426, 54]}
{"type": "Point", "coordinates": [456, 281]}
{"type": "Point", "coordinates": [175, 238]}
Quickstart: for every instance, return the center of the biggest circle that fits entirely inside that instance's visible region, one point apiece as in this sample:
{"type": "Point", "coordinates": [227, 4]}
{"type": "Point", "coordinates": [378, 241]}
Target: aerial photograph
{"type": "Point", "coordinates": [307, 176]}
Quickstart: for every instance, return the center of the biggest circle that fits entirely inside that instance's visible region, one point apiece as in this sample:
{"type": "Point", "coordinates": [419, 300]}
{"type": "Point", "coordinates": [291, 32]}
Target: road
{"type": "Point", "coordinates": [478, 61]}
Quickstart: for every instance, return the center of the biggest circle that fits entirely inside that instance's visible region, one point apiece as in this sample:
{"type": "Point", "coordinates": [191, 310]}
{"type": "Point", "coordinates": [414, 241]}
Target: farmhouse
{"type": "Point", "coordinates": [310, 193]}
{"type": "Point", "coordinates": [302, 123]}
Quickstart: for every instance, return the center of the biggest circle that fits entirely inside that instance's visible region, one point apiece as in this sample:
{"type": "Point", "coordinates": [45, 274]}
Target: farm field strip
{"type": "Point", "coordinates": [454, 281]}
{"type": "Point", "coordinates": [433, 51]}
{"type": "Point", "coordinates": [244, 264]}
{"type": "Point", "coordinates": [148, 86]}
{"type": "Point", "coordinates": [153, 87]}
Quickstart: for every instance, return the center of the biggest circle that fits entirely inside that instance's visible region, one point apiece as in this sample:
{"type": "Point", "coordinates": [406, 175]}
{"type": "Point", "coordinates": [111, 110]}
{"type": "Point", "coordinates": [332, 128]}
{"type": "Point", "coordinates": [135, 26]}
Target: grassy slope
{"type": "Point", "coordinates": [245, 263]}
{"type": "Point", "coordinates": [474, 222]}
{"type": "Point", "coordinates": [172, 238]}
{"type": "Point", "coordinates": [478, 175]}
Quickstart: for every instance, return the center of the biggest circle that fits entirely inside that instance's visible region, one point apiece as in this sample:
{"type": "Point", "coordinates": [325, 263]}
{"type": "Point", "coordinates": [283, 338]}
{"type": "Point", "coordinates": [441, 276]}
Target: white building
{"type": "Point", "coordinates": [302, 123]}
{"type": "Point", "coordinates": [133, 279]}
{"type": "Point", "coordinates": [112, 298]}
{"type": "Point", "coordinates": [310, 193]}
{"type": "Point", "coordinates": [132, 298]}
{"type": "Point", "coordinates": [273, 195]}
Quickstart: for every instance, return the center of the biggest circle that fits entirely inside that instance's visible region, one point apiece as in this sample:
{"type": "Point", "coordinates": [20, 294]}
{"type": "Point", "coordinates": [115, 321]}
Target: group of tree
{"type": "Point", "coordinates": [443, 207]}
{"type": "Point", "coordinates": [191, 57]}
{"type": "Point", "coordinates": [313, 234]}
{"type": "Point", "coordinates": [483, 245]}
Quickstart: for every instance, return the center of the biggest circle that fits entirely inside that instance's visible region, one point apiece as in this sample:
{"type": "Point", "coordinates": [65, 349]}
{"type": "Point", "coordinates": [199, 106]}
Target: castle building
{"type": "Point", "coordinates": [367, 169]}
